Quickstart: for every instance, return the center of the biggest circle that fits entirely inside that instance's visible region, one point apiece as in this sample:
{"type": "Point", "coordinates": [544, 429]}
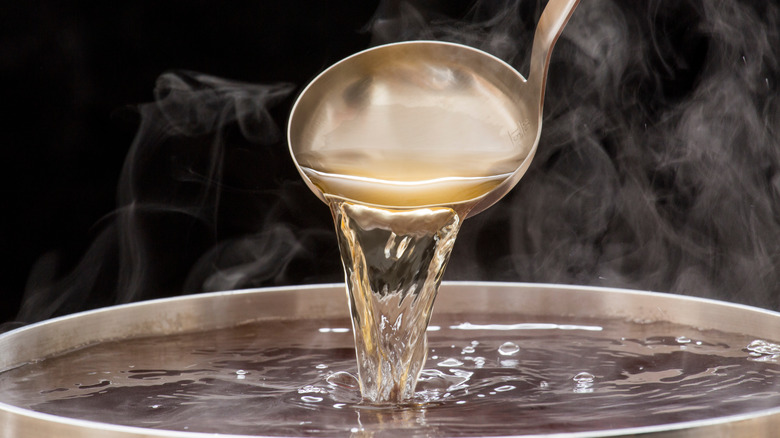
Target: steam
{"type": "Point", "coordinates": [201, 204]}
{"type": "Point", "coordinates": [185, 134]}
{"type": "Point", "coordinates": [658, 166]}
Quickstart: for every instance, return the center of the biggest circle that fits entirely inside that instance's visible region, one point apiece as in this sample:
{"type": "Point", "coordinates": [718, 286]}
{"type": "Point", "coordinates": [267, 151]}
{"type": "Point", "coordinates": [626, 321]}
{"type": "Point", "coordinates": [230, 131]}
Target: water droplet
{"type": "Point", "coordinates": [155, 406]}
{"type": "Point", "coordinates": [467, 350]}
{"type": "Point", "coordinates": [504, 388]}
{"type": "Point", "coordinates": [451, 362]}
{"type": "Point", "coordinates": [321, 366]}
{"type": "Point", "coordinates": [460, 402]}
{"type": "Point", "coordinates": [311, 399]}
{"type": "Point", "coordinates": [508, 349]}
{"type": "Point", "coordinates": [683, 340]}
{"type": "Point", "coordinates": [241, 372]}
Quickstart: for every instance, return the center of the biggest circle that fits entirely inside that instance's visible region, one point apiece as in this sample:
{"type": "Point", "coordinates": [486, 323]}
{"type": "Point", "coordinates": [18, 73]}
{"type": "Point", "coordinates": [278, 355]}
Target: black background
{"type": "Point", "coordinates": [73, 71]}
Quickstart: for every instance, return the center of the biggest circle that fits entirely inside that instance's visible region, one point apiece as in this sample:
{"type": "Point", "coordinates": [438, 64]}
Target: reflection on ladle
{"type": "Point", "coordinates": [403, 142]}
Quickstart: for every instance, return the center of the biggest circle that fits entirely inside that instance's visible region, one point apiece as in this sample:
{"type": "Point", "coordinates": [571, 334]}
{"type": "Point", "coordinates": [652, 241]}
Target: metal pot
{"type": "Point", "coordinates": [227, 309]}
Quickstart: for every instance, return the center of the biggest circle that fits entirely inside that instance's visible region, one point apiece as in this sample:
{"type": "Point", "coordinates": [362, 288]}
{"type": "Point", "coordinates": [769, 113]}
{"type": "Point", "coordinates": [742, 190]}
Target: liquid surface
{"type": "Point", "coordinates": [452, 191]}
{"type": "Point", "coordinates": [484, 375]}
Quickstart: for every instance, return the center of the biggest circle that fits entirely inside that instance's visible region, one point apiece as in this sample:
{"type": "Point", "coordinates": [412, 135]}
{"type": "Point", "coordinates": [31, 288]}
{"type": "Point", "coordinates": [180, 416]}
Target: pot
{"type": "Point", "coordinates": [523, 302]}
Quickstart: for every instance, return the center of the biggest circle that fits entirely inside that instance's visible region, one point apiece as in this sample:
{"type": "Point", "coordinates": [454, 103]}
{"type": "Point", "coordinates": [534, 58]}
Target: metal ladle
{"type": "Point", "coordinates": [424, 123]}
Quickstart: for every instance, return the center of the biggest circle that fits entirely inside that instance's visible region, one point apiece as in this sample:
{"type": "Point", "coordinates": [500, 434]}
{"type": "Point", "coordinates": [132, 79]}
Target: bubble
{"type": "Point", "coordinates": [508, 349]}
{"type": "Point", "coordinates": [311, 399]}
{"type": "Point", "coordinates": [311, 389]}
{"type": "Point", "coordinates": [467, 350]}
{"type": "Point", "coordinates": [433, 382]}
{"type": "Point", "coordinates": [321, 366]}
{"type": "Point", "coordinates": [584, 382]}
{"type": "Point", "coordinates": [763, 347]}
{"type": "Point", "coordinates": [504, 388]}
{"type": "Point", "coordinates": [763, 351]}
{"type": "Point", "coordinates": [343, 379]}
{"type": "Point", "coordinates": [544, 385]}
{"type": "Point", "coordinates": [584, 377]}
{"type": "Point", "coordinates": [451, 362]}
{"type": "Point", "coordinates": [683, 340]}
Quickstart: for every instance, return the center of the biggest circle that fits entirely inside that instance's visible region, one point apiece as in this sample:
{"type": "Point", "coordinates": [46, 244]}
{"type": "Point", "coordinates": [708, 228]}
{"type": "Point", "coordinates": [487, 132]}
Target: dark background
{"type": "Point", "coordinates": [74, 73]}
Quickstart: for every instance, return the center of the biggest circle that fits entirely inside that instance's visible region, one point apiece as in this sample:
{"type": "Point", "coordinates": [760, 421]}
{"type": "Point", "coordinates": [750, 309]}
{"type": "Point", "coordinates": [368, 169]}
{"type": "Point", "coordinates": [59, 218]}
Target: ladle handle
{"type": "Point", "coordinates": [554, 17]}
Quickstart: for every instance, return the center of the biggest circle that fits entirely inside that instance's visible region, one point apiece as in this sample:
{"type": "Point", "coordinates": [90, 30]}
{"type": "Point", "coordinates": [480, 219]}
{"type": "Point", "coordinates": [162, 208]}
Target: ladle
{"type": "Point", "coordinates": [404, 141]}
{"type": "Point", "coordinates": [424, 123]}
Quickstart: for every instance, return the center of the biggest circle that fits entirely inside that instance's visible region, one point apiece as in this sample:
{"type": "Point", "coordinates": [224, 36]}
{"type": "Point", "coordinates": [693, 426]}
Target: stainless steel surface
{"type": "Point", "coordinates": [225, 309]}
{"type": "Point", "coordinates": [424, 113]}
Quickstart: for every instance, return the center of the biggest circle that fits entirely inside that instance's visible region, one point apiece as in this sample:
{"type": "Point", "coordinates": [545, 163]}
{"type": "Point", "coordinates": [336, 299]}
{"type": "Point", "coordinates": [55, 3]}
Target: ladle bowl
{"type": "Point", "coordinates": [424, 123]}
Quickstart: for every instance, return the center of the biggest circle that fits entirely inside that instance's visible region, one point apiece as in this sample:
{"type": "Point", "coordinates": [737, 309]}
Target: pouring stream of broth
{"type": "Point", "coordinates": [403, 142]}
